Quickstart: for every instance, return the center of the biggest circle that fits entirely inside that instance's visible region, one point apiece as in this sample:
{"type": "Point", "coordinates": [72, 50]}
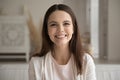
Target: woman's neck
{"type": "Point", "coordinates": [61, 54]}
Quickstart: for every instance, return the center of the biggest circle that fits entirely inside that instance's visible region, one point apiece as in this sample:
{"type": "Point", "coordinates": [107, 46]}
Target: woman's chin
{"type": "Point", "coordinates": [61, 44]}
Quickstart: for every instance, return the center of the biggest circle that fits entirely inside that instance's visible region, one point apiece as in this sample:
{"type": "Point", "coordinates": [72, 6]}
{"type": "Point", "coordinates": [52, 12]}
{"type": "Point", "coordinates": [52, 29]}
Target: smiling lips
{"type": "Point", "coordinates": [61, 36]}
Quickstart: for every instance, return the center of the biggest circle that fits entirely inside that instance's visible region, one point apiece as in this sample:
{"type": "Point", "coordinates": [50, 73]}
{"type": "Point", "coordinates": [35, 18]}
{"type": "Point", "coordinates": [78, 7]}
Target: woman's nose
{"type": "Point", "coordinates": [60, 28]}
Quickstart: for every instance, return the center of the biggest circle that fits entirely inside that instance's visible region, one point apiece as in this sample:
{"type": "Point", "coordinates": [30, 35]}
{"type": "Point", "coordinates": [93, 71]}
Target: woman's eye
{"type": "Point", "coordinates": [53, 25]}
{"type": "Point", "coordinates": [66, 24]}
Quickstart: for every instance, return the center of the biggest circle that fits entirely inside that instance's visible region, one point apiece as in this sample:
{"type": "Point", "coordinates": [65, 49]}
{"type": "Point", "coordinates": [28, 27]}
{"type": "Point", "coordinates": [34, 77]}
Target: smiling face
{"type": "Point", "coordinates": [60, 28]}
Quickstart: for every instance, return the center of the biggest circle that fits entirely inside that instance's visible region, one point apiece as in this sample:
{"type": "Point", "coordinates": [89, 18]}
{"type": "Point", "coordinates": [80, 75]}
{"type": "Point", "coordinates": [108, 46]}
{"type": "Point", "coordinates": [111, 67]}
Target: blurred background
{"type": "Point", "coordinates": [20, 34]}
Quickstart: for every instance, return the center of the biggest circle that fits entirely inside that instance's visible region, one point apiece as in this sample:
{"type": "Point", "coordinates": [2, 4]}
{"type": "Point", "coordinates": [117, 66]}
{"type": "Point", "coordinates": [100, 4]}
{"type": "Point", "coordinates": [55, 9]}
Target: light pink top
{"type": "Point", "coordinates": [63, 72]}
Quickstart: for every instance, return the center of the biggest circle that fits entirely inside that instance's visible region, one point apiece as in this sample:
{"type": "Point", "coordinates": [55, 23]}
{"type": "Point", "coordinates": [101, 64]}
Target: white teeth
{"type": "Point", "coordinates": [60, 36]}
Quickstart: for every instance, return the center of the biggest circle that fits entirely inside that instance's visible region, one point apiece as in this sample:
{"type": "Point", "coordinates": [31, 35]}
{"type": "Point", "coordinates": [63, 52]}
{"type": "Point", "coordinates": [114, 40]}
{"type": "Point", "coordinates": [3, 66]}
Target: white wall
{"type": "Point", "coordinates": [114, 30]}
{"type": "Point", "coordinates": [11, 7]}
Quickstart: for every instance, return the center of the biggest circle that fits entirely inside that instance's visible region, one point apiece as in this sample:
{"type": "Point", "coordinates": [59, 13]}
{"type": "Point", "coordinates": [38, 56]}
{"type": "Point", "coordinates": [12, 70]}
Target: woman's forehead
{"type": "Point", "coordinates": [59, 16]}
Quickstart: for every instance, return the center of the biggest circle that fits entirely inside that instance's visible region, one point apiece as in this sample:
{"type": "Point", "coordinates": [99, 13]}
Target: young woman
{"type": "Point", "coordinates": [61, 56]}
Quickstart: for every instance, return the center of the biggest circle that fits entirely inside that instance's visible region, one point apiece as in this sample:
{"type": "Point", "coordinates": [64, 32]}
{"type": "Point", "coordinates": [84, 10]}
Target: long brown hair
{"type": "Point", "coordinates": [75, 45]}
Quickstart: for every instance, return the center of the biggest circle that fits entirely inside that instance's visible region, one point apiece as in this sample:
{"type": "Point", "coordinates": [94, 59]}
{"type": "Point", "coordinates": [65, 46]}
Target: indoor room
{"type": "Point", "coordinates": [21, 26]}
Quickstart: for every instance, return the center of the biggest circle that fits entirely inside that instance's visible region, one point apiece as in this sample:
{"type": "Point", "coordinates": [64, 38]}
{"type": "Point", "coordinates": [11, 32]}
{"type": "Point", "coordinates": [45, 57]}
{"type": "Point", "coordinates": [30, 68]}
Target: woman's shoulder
{"type": "Point", "coordinates": [40, 58]}
{"type": "Point", "coordinates": [37, 59]}
{"type": "Point", "coordinates": [88, 57]}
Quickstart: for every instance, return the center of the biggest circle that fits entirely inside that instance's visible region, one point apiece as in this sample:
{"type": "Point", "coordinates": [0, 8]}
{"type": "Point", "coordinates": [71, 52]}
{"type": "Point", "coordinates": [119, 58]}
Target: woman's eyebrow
{"type": "Point", "coordinates": [67, 21]}
{"type": "Point", "coordinates": [52, 22]}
